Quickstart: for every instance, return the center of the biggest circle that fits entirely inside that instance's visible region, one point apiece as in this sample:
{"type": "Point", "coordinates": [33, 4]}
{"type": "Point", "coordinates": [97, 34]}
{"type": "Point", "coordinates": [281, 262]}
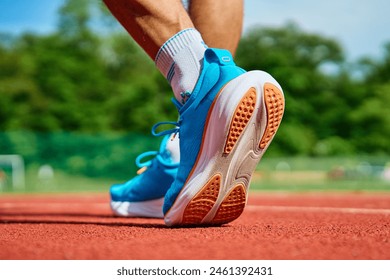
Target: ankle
{"type": "Point", "coordinates": [180, 60]}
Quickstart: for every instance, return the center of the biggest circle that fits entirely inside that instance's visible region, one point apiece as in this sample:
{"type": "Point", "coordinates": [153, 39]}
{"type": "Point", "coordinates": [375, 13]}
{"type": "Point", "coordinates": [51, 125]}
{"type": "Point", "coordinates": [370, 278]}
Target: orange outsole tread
{"type": "Point", "coordinates": [240, 119]}
{"type": "Point", "coordinates": [274, 102]}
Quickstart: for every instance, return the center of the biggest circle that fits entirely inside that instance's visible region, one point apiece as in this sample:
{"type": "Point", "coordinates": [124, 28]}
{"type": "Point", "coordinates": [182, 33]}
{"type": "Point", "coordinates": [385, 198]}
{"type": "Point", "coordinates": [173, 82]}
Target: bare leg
{"type": "Point", "coordinates": [219, 22]}
{"type": "Point", "coordinates": [150, 22]}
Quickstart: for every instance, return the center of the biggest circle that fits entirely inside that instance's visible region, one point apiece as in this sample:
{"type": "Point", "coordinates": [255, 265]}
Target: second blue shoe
{"type": "Point", "coordinates": [143, 195]}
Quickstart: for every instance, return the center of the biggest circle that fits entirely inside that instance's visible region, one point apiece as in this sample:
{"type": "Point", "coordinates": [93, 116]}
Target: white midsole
{"type": "Point", "coordinates": [150, 208]}
{"type": "Point", "coordinates": [238, 166]}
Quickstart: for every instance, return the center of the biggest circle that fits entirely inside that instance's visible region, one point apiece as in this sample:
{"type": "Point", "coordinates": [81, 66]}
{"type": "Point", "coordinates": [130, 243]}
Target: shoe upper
{"type": "Point", "coordinates": [153, 180]}
{"type": "Point", "coordinates": [218, 69]}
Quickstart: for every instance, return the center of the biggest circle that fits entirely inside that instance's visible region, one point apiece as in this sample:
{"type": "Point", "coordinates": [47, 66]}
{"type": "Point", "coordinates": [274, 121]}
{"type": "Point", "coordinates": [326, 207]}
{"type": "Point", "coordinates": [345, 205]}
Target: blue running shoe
{"type": "Point", "coordinates": [143, 196]}
{"type": "Point", "coordinates": [225, 127]}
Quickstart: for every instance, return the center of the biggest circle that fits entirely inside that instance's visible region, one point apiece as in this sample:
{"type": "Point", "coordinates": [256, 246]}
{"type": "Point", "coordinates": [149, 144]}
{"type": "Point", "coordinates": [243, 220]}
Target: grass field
{"type": "Point", "coordinates": [322, 174]}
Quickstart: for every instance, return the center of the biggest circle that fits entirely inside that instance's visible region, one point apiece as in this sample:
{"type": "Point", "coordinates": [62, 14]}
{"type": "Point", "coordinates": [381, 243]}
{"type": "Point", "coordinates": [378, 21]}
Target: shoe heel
{"type": "Point", "coordinates": [231, 207]}
{"type": "Point", "coordinates": [203, 201]}
{"type": "Point", "coordinates": [274, 104]}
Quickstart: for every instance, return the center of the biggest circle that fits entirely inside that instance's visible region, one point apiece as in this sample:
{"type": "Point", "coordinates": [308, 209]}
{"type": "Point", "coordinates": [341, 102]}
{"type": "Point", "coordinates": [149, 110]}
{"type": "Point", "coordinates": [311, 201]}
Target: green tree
{"type": "Point", "coordinates": [371, 118]}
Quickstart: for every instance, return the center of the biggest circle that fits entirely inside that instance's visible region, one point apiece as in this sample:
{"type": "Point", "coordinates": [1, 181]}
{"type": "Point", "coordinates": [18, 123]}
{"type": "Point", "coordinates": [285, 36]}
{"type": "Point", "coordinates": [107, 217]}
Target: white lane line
{"type": "Point", "coordinates": [52, 205]}
{"type": "Point", "coordinates": [265, 208]}
{"type": "Point", "coordinates": [317, 209]}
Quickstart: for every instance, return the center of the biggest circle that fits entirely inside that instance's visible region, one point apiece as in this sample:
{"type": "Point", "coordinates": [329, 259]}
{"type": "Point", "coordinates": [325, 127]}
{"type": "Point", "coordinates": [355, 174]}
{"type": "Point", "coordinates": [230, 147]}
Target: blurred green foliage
{"type": "Point", "coordinates": [93, 79]}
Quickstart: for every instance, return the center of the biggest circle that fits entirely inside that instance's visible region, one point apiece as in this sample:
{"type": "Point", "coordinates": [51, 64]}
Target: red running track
{"type": "Point", "coordinates": [273, 226]}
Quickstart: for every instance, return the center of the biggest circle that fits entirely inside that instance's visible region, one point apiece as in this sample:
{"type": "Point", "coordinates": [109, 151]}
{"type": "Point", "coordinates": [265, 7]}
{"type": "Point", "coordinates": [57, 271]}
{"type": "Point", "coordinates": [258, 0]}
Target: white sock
{"type": "Point", "coordinates": [180, 60]}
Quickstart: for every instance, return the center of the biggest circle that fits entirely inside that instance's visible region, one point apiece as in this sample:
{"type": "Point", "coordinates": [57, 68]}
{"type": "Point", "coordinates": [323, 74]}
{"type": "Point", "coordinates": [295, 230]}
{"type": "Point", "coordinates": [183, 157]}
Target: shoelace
{"type": "Point", "coordinates": [177, 124]}
{"type": "Point", "coordinates": [168, 131]}
{"type": "Point", "coordinates": [138, 160]}
{"type": "Point", "coordinates": [144, 165]}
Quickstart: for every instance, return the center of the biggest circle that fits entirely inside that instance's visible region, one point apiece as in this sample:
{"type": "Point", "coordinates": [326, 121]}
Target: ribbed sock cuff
{"type": "Point", "coordinates": [164, 57]}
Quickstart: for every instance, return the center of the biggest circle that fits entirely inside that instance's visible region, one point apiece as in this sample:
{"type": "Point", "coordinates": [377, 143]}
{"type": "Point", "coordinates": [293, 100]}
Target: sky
{"type": "Point", "coordinates": [360, 26]}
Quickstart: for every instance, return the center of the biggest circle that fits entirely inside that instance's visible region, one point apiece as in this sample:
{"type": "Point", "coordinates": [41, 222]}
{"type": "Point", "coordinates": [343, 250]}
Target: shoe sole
{"type": "Point", "coordinates": [240, 126]}
{"type": "Point", "coordinates": [149, 208]}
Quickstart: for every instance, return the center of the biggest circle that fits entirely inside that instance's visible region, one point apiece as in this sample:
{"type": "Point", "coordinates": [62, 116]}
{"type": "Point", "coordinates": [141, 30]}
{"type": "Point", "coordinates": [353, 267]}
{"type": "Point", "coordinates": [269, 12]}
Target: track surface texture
{"type": "Point", "coordinates": [272, 226]}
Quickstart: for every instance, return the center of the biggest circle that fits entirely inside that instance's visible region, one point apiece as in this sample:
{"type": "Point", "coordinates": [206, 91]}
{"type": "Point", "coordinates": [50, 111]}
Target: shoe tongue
{"type": "Point", "coordinates": [171, 151]}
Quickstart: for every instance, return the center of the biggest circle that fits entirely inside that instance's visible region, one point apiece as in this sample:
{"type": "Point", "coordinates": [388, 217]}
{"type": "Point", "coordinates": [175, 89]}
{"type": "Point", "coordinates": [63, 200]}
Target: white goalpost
{"type": "Point", "coordinates": [16, 163]}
